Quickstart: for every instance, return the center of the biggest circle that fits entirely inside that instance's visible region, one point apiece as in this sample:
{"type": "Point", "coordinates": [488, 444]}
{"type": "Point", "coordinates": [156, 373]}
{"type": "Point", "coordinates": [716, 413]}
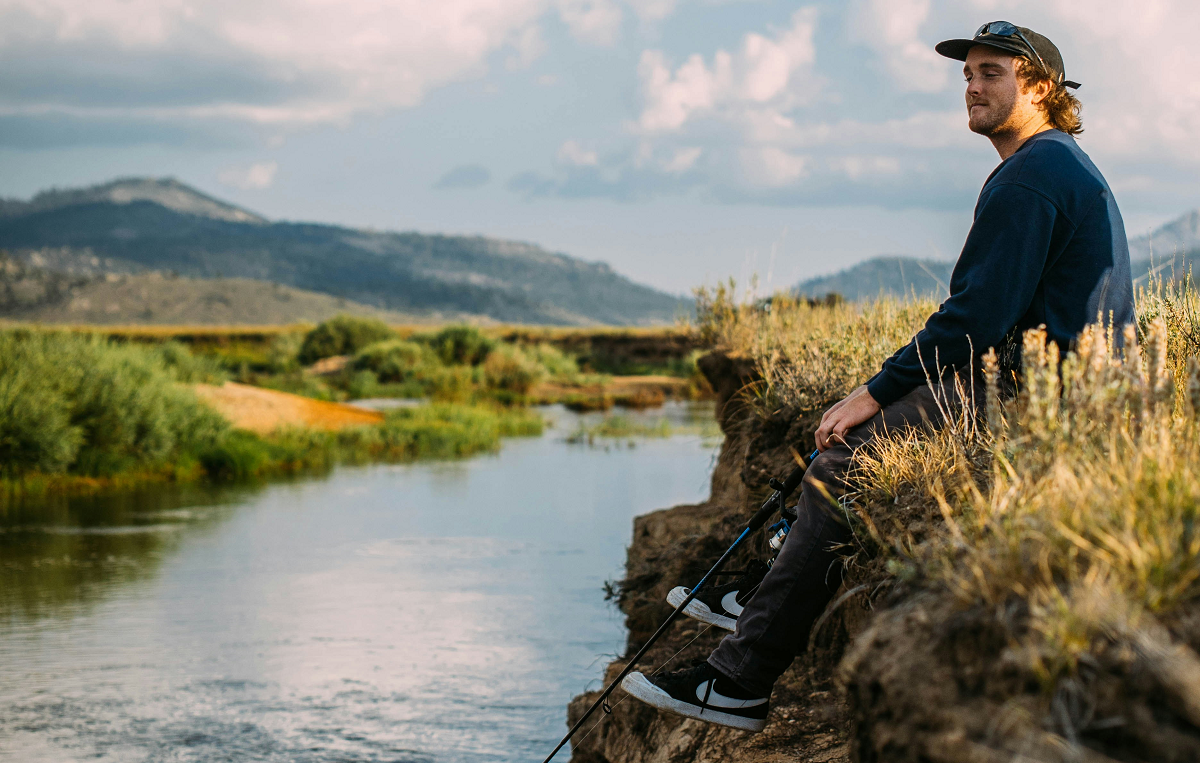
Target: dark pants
{"type": "Point", "coordinates": [774, 626]}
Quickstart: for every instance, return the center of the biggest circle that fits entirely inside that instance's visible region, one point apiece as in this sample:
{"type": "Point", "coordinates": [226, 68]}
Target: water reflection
{"type": "Point", "coordinates": [59, 554]}
{"type": "Point", "coordinates": [427, 612]}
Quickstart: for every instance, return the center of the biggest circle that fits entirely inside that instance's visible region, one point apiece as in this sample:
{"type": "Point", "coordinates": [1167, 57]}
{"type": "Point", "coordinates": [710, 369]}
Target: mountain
{"type": "Point", "coordinates": [168, 192]}
{"type": "Point", "coordinates": [1181, 236]}
{"type": "Point", "coordinates": [142, 225]}
{"type": "Point", "coordinates": [36, 295]}
{"type": "Point", "coordinates": [1175, 248]}
{"type": "Point", "coordinates": [891, 276]}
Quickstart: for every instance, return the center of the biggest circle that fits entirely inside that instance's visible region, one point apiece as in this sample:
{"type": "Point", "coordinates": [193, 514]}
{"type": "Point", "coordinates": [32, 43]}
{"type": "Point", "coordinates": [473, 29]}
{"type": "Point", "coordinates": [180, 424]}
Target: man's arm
{"type": "Point", "coordinates": [992, 287]}
{"type": "Point", "coordinates": [993, 284]}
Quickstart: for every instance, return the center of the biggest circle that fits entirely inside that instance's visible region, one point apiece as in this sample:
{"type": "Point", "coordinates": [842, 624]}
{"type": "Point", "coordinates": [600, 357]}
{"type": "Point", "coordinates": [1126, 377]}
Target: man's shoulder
{"type": "Point", "coordinates": [1053, 163]}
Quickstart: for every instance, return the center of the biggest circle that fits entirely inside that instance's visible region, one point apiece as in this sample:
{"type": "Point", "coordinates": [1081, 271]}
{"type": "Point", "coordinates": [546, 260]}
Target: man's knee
{"type": "Point", "coordinates": [826, 474]}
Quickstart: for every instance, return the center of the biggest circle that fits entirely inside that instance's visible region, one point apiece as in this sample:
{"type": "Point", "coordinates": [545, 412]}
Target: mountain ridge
{"type": "Point", "coordinates": [138, 225]}
{"type": "Point", "coordinates": [1175, 244]}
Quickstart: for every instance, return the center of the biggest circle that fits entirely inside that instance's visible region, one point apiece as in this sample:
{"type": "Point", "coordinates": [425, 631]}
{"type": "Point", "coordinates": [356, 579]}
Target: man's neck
{"type": "Point", "coordinates": [1008, 142]}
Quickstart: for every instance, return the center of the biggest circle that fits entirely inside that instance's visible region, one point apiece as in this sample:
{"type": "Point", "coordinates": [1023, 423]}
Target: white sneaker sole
{"type": "Point", "coordinates": [698, 610]}
{"type": "Point", "coordinates": [639, 686]}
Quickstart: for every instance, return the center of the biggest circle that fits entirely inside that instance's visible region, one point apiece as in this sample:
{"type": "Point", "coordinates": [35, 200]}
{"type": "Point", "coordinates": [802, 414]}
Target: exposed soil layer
{"type": "Point", "coordinates": [911, 677]}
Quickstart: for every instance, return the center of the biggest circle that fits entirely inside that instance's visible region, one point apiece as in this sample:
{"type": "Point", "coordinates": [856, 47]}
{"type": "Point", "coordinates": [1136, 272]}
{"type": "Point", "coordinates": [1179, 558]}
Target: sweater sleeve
{"type": "Point", "coordinates": [992, 287]}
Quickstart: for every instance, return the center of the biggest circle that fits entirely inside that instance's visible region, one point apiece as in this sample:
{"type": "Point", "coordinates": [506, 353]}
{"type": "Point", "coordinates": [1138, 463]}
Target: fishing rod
{"type": "Point", "coordinates": [775, 502]}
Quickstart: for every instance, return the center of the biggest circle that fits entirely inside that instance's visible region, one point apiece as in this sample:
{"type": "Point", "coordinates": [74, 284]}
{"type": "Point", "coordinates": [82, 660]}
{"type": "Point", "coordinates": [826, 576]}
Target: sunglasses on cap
{"type": "Point", "coordinates": [1009, 29]}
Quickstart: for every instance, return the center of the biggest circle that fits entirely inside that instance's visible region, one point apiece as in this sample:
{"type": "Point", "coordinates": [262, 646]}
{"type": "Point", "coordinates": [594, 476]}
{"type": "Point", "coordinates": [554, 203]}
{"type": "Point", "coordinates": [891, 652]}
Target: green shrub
{"type": "Point", "coordinates": [89, 406]}
{"type": "Point", "coordinates": [460, 345]}
{"type": "Point", "coordinates": [342, 335]}
{"type": "Point", "coordinates": [508, 369]}
{"type": "Point", "coordinates": [35, 426]}
{"type": "Point", "coordinates": [451, 384]}
{"type": "Point", "coordinates": [554, 360]}
{"type": "Point", "coordinates": [190, 368]}
{"type": "Point", "coordinates": [396, 360]}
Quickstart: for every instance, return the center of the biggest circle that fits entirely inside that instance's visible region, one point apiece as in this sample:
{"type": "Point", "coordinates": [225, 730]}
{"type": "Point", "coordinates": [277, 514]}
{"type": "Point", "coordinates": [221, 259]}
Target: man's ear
{"type": "Point", "coordinates": [1041, 90]}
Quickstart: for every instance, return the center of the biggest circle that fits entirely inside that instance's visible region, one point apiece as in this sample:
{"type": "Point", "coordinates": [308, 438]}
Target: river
{"type": "Point", "coordinates": [424, 612]}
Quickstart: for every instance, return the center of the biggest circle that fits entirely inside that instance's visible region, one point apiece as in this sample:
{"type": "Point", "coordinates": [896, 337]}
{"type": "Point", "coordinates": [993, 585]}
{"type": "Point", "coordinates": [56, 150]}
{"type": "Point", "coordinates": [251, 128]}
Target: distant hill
{"type": "Point", "coordinates": [1175, 248]}
{"type": "Point", "coordinates": [30, 294]}
{"type": "Point", "coordinates": [167, 192]}
{"type": "Point", "coordinates": [140, 225]}
{"type": "Point", "coordinates": [1179, 236]}
{"type": "Point", "coordinates": [890, 276]}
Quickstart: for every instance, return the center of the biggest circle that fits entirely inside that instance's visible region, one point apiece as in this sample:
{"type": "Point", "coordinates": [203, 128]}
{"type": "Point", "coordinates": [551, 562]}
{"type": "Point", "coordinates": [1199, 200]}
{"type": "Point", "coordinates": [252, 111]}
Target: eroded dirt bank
{"type": "Point", "coordinates": [808, 720]}
{"type": "Point", "coordinates": [894, 674]}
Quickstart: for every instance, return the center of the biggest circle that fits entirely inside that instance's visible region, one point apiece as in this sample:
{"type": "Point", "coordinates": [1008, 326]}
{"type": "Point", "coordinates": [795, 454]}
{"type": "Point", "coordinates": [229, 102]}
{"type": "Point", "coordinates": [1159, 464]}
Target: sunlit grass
{"type": "Point", "coordinates": [1076, 502]}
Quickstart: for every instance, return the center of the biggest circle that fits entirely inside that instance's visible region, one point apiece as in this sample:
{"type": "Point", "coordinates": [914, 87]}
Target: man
{"type": "Point", "coordinates": [1047, 247]}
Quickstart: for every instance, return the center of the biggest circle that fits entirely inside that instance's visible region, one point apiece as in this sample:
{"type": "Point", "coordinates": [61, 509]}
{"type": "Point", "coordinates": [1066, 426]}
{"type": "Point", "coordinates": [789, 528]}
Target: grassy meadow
{"type": "Point", "coordinates": [1070, 510]}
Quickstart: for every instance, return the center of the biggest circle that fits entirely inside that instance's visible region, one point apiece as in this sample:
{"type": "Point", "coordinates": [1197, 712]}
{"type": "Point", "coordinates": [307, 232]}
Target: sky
{"type": "Point", "coordinates": [681, 141]}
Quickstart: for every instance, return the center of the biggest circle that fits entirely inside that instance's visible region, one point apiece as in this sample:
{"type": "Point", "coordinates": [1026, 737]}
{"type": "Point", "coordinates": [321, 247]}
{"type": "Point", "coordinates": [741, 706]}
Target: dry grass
{"type": "Point", "coordinates": [1076, 502]}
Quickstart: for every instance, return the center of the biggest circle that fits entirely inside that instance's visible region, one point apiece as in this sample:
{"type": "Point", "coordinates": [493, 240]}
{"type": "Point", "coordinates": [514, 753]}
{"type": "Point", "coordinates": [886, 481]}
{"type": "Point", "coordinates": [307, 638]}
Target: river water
{"type": "Point", "coordinates": [425, 612]}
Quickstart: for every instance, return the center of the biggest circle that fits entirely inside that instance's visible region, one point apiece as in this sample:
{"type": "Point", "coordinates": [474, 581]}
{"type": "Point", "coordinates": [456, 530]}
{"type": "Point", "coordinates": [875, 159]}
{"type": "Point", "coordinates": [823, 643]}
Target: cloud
{"type": "Point", "coordinates": [764, 71]}
{"type": "Point", "coordinates": [286, 63]}
{"type": "Point", "coordinates": [890, 28]}
{"type": "Point", "coordinates": [464, 176]}
{"type": "Point", "coordinates": [253, 177]}
{"type": "Point", "coordinates": [572, 154]}
{"type": "Point", "coordinates": [593, 21]}
{"type": "Point", "coordinates": [682, 160]}
{"type": "Point", "coordinates": [772, 167]}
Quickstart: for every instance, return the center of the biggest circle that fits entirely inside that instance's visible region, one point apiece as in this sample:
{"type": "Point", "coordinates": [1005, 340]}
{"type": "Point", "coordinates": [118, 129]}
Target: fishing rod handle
{"type": "Point", "coordinates": [777, 499]}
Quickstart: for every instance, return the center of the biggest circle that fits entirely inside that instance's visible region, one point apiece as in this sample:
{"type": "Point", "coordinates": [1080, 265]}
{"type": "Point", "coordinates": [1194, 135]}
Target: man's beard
{"type": "Point", "coordinates": [992, 122]}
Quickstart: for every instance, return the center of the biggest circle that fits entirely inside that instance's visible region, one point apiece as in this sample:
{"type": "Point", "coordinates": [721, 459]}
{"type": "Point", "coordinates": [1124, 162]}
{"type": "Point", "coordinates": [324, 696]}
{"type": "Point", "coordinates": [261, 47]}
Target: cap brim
{"type": "Point", "coordinates": [958, 49]}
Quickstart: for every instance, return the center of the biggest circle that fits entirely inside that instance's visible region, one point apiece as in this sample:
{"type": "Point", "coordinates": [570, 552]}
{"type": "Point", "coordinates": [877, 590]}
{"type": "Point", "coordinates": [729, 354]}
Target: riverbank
{"type": "Point", "coordinates": [1025, 587]}
{"type": "Point", "coordinates": [81, 414]}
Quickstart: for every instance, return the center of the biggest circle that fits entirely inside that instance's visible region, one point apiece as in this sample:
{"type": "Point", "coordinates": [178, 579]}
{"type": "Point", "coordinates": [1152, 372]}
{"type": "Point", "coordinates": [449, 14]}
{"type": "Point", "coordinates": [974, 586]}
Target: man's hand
{"type": "Point", "coordinates": [848, 413]}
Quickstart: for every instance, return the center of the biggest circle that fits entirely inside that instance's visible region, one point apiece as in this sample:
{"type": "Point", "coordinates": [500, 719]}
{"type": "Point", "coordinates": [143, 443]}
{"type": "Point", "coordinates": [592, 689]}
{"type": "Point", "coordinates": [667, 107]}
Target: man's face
{"type": "Point", "coordinates": [995, 101]}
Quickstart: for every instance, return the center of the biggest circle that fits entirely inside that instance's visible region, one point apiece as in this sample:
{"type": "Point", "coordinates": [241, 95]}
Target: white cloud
{"type": "Point", "coordinates": [528, 46]}
{"type": "Point", "coordinates": [572, 154]}
{"type": "Point", "coordinates": [593, 21]}
{"type": "Point", "coordinates": [682, 160]}
{"type": "Point", "coordinates": [857, 167]}
{"type": "Point", "coordinates": [253, 177]}
{"type": "Point", "coordinates": [890, 28]}
{"type": "Point", "coordinates": [296, 61]}
{"type": "Point", "coordinates": [772, 167]}
{"type": "Point", "coordinates": [764, 71]}
{"type": "Point", "coordinates": [652, 10]}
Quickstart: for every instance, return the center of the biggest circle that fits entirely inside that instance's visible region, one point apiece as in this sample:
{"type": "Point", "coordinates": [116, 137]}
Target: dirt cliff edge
{"type": "Point", "coordinates": [808, 720]}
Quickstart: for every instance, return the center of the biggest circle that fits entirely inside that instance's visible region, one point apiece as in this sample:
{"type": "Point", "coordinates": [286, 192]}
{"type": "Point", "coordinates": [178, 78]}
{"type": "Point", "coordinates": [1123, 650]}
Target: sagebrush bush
{"type": "Point", "coordinates": [555, 361]}
{"type": "Point", "coordinates": [396, 360]}
{"type": "Point", "coordinates": [342, 335]}
{"type": "Point", "coordinates": [509, 369]}
{"type": "Point", "coordinates": [457, 345]}
{"type": "Point", "coordinates": [90, 406]}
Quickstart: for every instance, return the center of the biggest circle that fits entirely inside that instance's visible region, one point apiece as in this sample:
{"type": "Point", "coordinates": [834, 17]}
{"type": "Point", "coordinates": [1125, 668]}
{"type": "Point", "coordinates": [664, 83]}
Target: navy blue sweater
{"type": "Point", "coordinates": [1047, 247]}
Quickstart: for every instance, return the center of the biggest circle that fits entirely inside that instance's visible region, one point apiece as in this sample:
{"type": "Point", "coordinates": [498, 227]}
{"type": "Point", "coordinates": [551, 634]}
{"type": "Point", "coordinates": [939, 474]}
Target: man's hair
{"type": "Point", "coordinates": [1060, 106]}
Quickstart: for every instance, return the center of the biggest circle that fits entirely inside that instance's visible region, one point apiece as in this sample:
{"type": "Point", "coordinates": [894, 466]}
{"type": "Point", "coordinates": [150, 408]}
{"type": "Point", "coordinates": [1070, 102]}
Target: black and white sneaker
{"type": "Point", "coordinates": [702, 692]}
{"type": "Point", "coordinates": [721, 606]}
